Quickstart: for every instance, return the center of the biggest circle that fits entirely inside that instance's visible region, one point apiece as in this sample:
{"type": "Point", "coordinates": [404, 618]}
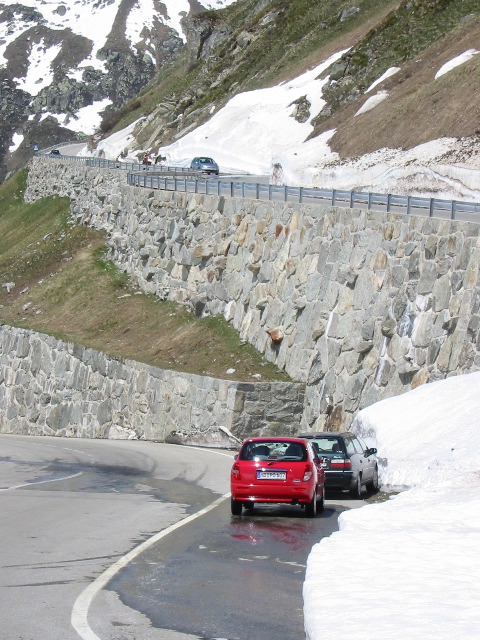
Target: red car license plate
{"type": "Point", "coordinates": [271, 475]}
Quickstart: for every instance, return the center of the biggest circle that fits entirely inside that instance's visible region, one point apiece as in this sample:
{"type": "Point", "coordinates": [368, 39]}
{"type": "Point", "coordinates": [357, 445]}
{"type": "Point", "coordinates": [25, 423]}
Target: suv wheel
{"type": "Point", "coordinates": [373, 484]}
{"type": "Point", "coordinates": [356, 490]}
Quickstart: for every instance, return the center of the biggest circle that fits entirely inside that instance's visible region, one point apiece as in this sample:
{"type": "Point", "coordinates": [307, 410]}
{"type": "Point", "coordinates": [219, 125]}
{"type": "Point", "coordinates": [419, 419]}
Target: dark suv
{"type": "Point", "coordinates": [348, 462]}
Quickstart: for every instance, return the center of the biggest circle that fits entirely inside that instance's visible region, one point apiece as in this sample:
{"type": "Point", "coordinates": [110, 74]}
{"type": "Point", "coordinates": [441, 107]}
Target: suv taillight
{"type": "Point", "coordinates": [341, 463]}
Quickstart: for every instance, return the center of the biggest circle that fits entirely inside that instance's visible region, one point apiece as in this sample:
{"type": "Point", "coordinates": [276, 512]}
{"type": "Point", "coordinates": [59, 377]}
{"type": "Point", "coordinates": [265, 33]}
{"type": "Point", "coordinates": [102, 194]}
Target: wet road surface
{"type": "Point", "coordinates": [228, 577]}
{"type": "Point", "coordinates": [71, 509]}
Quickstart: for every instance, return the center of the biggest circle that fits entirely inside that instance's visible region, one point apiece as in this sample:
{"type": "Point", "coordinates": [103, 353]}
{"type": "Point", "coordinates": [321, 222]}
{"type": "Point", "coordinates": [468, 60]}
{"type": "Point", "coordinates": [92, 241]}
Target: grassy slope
{"type": "Point", "coordinates": [419, 108]}
{"type": "Point", "coordinates": [64, 287]}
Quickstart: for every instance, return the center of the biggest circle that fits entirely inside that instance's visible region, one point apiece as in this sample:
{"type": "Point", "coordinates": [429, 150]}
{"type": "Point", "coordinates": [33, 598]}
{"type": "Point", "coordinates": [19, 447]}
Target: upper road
{"type": "Point", "coordinates": [132, 540]}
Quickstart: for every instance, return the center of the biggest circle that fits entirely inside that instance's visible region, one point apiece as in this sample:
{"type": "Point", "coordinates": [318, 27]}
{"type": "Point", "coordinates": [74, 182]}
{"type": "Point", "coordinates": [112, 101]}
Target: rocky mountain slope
{"type": "Point", "coordinates": [401, 74]}
{"type": "Point", "coordinates": [62, 63]}
{"type": "Point", "coordinates": [159, 70]}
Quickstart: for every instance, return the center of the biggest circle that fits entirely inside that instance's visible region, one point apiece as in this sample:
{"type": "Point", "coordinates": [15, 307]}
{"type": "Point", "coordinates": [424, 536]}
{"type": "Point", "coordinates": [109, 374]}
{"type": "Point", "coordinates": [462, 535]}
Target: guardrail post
{"type": "Point", "coordinates": [257, 191]}
{"type": "Point", "coordinates": [389, 201]}
{"type": "Point", "coordinates": [232, 190]}
{"type": "Point", "coordinates": [431, 207]}
{"type": "Point", "coordinates": [409, 205]}
{"type": "Point", "coordinates": [370, 196]}
{"type": "Point", "coordinates": [285, 193]}
{"type": "Point", "coordinates": [454, 209]}
{"type": "Point", "coordinates": [300, 195]}
{"type": "Point", "coordinates": [270, 192]}
{"type": "Point", "coordinates": [352, 199]}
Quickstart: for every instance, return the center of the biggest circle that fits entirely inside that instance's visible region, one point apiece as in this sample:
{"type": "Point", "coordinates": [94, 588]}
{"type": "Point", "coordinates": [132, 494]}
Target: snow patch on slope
{"type": "Point", "coordinates": [456, 62]}
{"type": "Point", "coordinates": [40, 72]}
{"type": "Point", "coordinates": [389, 72]}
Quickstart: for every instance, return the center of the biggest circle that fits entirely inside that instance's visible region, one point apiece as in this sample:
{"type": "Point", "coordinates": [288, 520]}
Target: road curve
{"type": "Point", "coordinates": [73, 508]}
{"type": "Point", "coordinates": [129, 540]}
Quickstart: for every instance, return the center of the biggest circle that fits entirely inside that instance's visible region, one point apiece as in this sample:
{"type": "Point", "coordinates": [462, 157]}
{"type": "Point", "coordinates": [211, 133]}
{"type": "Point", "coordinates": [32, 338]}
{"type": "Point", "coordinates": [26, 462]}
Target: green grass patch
{"type": "Point", "coordinates": [118, 277]}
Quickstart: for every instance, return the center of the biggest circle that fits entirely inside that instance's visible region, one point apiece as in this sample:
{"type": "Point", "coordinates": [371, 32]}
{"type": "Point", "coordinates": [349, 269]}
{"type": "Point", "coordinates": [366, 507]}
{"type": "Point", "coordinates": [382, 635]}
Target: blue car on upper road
{"type": "Point", "coordinates": [205, 165]}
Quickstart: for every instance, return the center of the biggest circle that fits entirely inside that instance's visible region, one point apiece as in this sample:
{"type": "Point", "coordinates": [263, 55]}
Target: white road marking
{"type": "Point", "coordinates": [219, 453]}
{"type": "Point", "coordinates": [293, 564]}
{"type": "Point", "coordinates": [59, 445]}
{"type": "Point", "coordinates": [79, 618]}
{"type": "Point", "coordinates": [33, 484]}
{"type": "Point", "coordinates": [83, 453]}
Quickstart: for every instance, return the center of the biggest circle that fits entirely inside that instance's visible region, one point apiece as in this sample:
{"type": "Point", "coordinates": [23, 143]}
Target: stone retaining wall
{"type": "Point", "coordinates": [49, 387]}
{"type": "Point", "coordinates": [358, 305]}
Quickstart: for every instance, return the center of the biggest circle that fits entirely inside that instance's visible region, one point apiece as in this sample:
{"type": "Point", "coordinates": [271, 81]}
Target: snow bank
{"type": "Point", "coordinates": [407, 568]}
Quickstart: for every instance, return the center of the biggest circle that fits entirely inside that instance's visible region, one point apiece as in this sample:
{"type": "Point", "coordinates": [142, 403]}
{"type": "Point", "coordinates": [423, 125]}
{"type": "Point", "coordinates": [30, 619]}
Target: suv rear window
{"type": "Point", "coordinates": [327, 445]}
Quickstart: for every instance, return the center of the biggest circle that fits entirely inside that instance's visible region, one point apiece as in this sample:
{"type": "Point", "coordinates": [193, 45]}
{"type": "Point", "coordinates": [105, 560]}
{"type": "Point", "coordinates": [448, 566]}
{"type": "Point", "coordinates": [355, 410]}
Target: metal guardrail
{"type": "Point", "coordinates": [133, 166]}
{"type": "Point", "coordinates": [139, 175]}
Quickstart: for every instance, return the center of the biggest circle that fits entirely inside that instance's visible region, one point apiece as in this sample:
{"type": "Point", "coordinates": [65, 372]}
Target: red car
{"type": "Point", "coordinates": [277, 470]}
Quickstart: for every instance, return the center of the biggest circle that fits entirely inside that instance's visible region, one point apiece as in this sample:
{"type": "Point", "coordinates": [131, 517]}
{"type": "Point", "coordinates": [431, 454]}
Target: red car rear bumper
{"type": "Point", "coordinates": [302, 494]}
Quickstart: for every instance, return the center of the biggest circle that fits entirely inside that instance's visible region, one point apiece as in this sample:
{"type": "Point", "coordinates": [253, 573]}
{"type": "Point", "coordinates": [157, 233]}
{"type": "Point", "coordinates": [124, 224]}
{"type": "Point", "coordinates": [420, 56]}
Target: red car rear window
{"type": "Point", "coordinates": [273, 450]}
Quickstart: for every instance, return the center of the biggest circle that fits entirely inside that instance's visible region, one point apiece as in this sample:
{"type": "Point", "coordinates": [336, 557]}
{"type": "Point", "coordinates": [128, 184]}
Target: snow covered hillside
{"type": "Point", "coordinates": [386, 100]}
{"type": "Point", "coordinates": [257, 132]}
{"type": "Point", "coordinates": [142, 22]}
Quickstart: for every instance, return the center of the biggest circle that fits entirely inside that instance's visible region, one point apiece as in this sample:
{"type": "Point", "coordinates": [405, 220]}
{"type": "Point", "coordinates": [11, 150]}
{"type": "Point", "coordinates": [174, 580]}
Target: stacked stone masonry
{"type": "Point", "coordinates": [49, 387]}
{"type": "Point", "coordinates": [357, 305]}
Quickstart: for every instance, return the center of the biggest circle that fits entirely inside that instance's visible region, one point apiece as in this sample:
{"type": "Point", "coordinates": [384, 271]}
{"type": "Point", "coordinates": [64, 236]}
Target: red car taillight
{"type": "Point", "coordinates": [236, 471]}
{"type": "Point", "coordinates": [307, 474]}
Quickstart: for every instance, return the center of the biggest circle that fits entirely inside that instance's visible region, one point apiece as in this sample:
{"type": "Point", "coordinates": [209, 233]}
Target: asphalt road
{"type": "Point", "coordinates": [128, 540]}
